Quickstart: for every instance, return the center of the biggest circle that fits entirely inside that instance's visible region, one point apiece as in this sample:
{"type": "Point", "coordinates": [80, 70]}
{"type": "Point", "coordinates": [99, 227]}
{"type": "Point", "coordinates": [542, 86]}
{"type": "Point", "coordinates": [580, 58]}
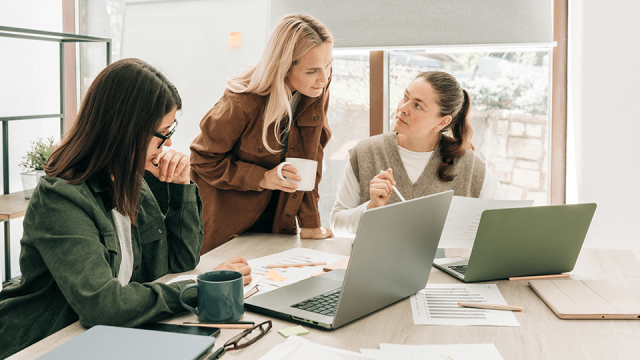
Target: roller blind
{"type": "Point", "coordinates": [407, 23]}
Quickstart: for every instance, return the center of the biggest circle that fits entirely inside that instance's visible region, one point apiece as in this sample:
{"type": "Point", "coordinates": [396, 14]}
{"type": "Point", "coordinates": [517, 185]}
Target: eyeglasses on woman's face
{"type": "Point", "coordinates": [243, 339]}
{"type": "Point", "coordinates": [166, 137]}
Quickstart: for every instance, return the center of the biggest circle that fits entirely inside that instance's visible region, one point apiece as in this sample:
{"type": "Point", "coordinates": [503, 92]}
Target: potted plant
{"type": "Point", "coordinates": [34, 162]}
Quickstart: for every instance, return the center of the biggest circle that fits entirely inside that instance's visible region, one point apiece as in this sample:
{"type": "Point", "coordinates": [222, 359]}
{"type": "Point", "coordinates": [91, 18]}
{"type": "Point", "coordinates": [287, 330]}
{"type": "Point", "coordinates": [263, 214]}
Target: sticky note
{"type": "Point", "coordinates": [296, 330]}
{"type": "Point", "coordinates": [235, 39]}
{"type": "Point", "coordinates": [273, 275]}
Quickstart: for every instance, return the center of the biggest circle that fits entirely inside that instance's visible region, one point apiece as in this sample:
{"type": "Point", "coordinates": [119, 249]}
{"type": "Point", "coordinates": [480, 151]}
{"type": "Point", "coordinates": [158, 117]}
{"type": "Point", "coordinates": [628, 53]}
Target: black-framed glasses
{"type": "Point", "coordinates": [243, 339]}
{"type": "Point", "coordinates": [164, 138]}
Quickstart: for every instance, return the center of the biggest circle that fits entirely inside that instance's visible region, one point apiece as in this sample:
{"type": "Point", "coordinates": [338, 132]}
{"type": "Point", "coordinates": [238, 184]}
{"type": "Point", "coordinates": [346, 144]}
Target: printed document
{"type": "Point", "coordinates": [434, 352]}
{"type": "Point", "coordinates": [463, 219]}
{"type": "Point", "coordinates": [437, 304]}
{"type": "Point", "coordinates": [268, 279]}
{"type": "Point", "coordinates": [295, 348]}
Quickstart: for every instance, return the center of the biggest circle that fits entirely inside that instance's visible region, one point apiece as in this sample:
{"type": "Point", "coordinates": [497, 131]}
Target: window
{"type": "Point", "coordinates": [348, 118]}
{"type": "Point", "coordinates": [509, 116]}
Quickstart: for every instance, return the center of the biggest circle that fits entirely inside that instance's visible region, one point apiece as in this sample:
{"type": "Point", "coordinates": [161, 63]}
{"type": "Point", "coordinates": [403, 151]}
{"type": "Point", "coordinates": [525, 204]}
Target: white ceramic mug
{"type": "Point", "coordinates": [306, 170]}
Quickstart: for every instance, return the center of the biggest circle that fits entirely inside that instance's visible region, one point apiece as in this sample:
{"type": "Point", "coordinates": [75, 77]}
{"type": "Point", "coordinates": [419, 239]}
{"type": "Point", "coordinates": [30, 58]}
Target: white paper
{"type": "Point", "coordinates": [434, 352]}
{"type": "Point", "coordinates": [463, 219]}
{"type": "Point", "coordinates": [437, 304]}
{"type": "Point", "coordinates": [292, 274]}
{"type": "Point", "coordinates": [295, 348]}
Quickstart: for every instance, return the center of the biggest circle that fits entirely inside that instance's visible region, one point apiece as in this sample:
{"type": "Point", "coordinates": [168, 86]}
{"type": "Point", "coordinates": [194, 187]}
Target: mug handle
{"type": "Point", "coordinates": [279, 170]}
{"type": "Point", "coordinates": [189, 286]}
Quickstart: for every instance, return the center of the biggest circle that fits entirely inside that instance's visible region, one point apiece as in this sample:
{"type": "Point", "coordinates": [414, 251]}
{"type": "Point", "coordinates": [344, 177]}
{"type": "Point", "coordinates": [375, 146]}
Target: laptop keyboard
{"type": "Point", "coordinates": [324, 304]}
{"type": "Point", "coordinates": [460, 269]}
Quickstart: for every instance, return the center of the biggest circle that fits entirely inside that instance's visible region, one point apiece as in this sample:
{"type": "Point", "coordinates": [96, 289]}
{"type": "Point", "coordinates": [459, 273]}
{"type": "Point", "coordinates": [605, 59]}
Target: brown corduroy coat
{"type": "Point", "coordinates": [228, 160]}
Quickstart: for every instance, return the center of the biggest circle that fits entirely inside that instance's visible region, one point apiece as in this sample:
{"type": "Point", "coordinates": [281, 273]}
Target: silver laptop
{"type": "Point", "coordinates": [540, 240]}
{"type": "Point", "coordinates": [390, 260]}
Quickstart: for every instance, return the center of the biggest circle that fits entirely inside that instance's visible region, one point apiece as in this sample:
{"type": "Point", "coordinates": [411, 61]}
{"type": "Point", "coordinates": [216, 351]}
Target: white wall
{"type": "Point", "coordinates": [604, 82]}
{"type": "Point", "coordinates": [29, 85]}
{"type": "Point", "coordinates": [188, 41]}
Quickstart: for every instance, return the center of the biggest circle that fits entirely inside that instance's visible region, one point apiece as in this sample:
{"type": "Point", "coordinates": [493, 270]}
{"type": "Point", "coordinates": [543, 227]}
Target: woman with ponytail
{"type": "Point", "coordinates": [274, 110]}
{"type": "Point", "coordinates": [428, 152]}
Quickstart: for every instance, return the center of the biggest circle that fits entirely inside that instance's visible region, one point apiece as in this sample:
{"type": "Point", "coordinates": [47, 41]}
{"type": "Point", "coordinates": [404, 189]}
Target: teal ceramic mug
{"type": "Point", "coordinates": [220, 296]}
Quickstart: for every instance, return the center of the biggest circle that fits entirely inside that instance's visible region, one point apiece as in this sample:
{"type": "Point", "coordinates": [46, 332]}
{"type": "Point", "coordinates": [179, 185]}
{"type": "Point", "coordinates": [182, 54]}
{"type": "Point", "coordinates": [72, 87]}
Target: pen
{"type": "Point", "coordinates": [294, 265]}
{"type": "Point", "coordinates": [540, 277]}
{"type": "Point", "coordinates": [253, 290]}
{"type": "Point", "coordinates": [491, 306]}
{"type": "Point", "coordinates": [220, 326]}
{"type": "Point", "coordinates": [221, 322]}
{"type": "Point", "coordinates": [398, 193]}
{"type": "Point", "coordinates": [396, 190]}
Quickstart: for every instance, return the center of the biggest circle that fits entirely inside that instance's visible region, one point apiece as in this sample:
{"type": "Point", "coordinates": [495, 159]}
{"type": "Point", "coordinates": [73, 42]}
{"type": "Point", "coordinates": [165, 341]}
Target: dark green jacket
{"type": "Point", "coordinates": [70, 258]}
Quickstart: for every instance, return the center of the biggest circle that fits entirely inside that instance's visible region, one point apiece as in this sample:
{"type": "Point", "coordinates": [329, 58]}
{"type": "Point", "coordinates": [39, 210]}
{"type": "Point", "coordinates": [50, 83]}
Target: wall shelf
{"type": "Point", "coordinates": [14, 205]}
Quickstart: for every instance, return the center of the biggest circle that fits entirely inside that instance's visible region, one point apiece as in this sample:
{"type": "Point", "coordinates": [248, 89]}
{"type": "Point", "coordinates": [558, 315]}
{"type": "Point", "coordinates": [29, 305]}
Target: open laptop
{"type": "Point", "coordinates": [529, 241]}
{"type": "Point", "coordinates": [390, 260]}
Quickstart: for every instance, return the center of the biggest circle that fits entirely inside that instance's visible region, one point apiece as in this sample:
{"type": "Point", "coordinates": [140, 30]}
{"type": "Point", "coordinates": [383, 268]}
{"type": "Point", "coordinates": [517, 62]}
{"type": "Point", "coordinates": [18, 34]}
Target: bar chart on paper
{"type": "Point", "coordinates": [289, 275]}
{"type": "Point", "coordinates": [438, 305]}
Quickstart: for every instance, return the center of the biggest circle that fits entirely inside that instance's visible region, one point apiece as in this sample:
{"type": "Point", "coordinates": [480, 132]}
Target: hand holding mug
{"type": "Point", "coordinates": [275, 179]}
{"type": "Point", "coordinates": [380, 189]}
{"type": "Point", "coordinates": [306, 171]}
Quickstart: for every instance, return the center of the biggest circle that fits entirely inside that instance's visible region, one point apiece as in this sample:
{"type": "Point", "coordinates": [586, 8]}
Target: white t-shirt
{"type": "Point", "coordinates": [123, 227]}
{"type": "Point", "coordinates": [346, 212]}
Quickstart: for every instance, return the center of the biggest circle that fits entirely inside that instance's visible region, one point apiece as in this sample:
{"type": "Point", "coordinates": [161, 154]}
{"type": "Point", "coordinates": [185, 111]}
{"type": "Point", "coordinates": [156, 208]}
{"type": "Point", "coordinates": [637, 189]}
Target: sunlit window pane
{"type": "Point", "coordinates": [348, 118]}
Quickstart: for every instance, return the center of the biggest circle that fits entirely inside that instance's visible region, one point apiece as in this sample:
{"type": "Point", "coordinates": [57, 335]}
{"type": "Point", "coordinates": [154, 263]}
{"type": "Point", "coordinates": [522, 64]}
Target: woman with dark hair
{"type": "Point", "coordinates": [94, 237]}
{"type": "Point", "coordinates": [429, 151]}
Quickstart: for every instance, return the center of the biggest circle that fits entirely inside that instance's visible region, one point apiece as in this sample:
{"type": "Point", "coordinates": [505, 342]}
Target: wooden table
{"type": "Point", "coordinates": [12, 206]}
{"type": "Point", "coordinates": [541, 335]}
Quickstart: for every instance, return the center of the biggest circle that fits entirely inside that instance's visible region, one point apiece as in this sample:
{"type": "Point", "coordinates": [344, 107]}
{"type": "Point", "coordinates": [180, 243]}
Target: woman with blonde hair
{"type": "Point", "coordinates": [275, 109]}
{"type": "Point", "coordinates": [429, 151]}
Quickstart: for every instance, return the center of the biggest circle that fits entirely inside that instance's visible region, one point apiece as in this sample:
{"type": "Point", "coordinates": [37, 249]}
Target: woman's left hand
{"type": "Point", "coordinates": [238, 264]}
{"type": "Point", "coordinates": [173, 167]}
{"type": "Point", "coordinates": [315, 233]}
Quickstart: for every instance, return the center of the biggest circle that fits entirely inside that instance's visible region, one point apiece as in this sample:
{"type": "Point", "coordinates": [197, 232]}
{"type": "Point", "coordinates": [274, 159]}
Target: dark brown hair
{"type": "Point", "coordinates": [118, 117]}
{"type": "Point", "coordinates": [454, 101]}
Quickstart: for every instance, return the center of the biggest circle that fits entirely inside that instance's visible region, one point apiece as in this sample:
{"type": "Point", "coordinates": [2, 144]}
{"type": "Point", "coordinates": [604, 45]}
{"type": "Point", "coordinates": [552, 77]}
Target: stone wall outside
{"type": "Point", "coordinates": [515, 146]}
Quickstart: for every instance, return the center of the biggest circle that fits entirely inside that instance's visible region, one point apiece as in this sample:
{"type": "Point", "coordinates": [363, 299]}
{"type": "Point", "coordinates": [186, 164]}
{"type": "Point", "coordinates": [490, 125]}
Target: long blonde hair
{"type": "Point", "coordinates": [292, 37]}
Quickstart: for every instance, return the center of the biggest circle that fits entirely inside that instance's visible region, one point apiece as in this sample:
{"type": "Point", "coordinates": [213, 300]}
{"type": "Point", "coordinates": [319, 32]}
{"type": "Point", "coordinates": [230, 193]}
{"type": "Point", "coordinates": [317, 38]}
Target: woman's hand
{"type": "Point", "coordinates": [272, 181]}
{"type": "Point", "coordinates": [315, 233]}
{"type": "Point", "coordinates": [380, 189]}
{"type": "Point", "coordinates": [172, 167]}
{"type": "Point", "coordinates": [238, 264]}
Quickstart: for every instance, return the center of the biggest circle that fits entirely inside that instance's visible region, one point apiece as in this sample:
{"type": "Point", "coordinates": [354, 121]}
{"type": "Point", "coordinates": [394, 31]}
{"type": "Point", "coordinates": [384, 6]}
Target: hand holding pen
{"type": "Point", "coordinates": [380, 189]}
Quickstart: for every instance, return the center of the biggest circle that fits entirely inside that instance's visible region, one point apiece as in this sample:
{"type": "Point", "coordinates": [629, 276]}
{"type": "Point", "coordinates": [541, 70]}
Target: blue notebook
{"type": "Point", "coordinates": [110, 342]}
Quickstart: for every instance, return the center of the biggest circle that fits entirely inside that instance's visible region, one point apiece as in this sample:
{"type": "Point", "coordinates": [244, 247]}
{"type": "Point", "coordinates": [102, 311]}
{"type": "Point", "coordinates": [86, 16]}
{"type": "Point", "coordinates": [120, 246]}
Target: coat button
{"type": "Point", "coordinates": [291, 146]}
{"type": "Point", "coordinates": [259, 149]}
{"type": "Point", "coordinates": [284, 230]}
{"type": "Point", "coordinates": [287, 216]}
{"type": "Point", "coordinates": [137, 267]}
{"type": "Point", "coordinates": [159, 231]}
{"type": "Point", "coordinates": [315, 118]}
{"type": "Point", "coordinates": [295, 196]}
